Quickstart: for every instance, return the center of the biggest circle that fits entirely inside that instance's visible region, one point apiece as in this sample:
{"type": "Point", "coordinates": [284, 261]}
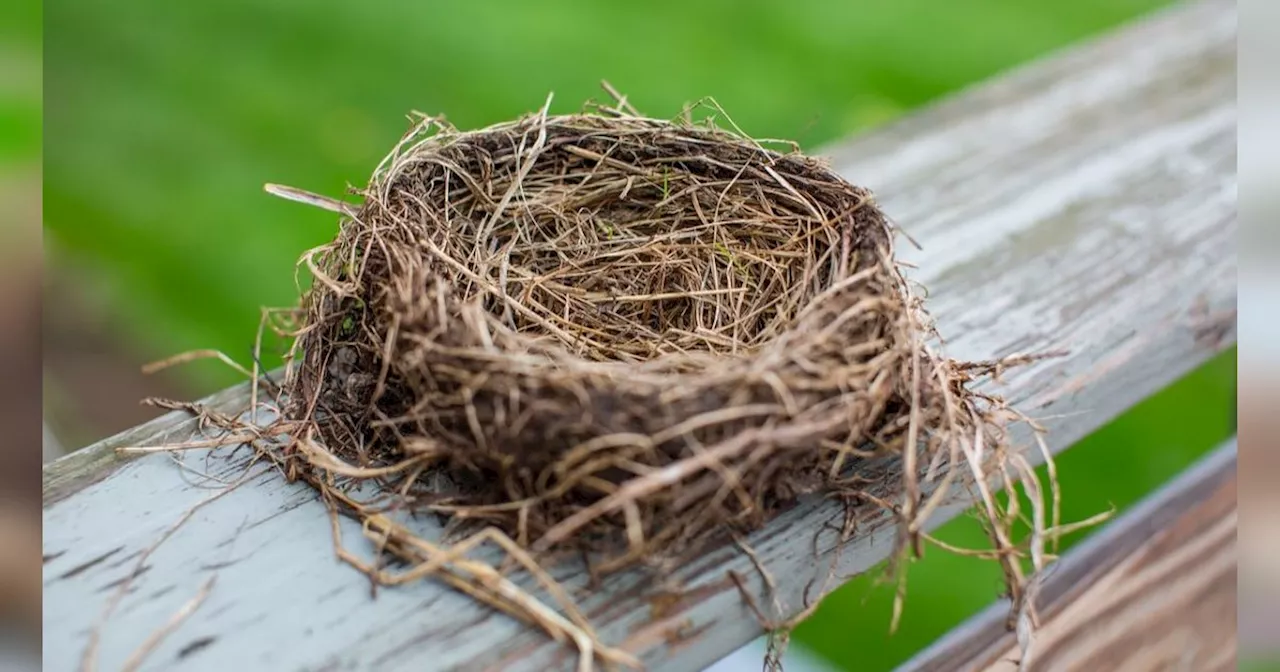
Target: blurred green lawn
{"type": "Point", "coordinates": [20, 46]}
{"type": "Point", "coordinates": [164, 119]}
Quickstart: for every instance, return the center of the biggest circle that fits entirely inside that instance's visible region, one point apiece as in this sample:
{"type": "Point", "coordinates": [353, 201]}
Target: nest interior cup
{"type": "Point", "coordinates": [617, 334]}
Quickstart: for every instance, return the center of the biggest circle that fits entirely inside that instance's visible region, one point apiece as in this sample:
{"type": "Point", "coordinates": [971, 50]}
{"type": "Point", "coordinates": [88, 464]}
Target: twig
{"type": "Point", "coordinates": [147, 647]}
{"type": "Point", "coordinates": [89, 661]}
{"type": "Point", "coordinates": [307, 198]}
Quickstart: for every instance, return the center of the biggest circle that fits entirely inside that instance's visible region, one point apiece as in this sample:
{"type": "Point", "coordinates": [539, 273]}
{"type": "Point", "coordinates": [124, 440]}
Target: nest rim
{"type": "Point", "coordinates": [940, 390]}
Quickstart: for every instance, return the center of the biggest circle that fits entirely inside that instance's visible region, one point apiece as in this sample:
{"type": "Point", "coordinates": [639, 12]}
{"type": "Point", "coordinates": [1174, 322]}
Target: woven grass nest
{"type": "Point", "coordinates": [625, 338]}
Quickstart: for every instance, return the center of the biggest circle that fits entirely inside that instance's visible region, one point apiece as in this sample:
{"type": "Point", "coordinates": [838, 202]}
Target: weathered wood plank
{"type": "Point", "coordinates": [1155, 589]}
{"type": "Point", "coordinates": [1085, 202]}
{"type": "Point", "coordinates": [89, 465]}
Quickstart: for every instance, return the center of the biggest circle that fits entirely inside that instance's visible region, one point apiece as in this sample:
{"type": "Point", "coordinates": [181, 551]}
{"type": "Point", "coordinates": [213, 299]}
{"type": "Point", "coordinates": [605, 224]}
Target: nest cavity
{"type": "Point", "coordinates": [620, 335]}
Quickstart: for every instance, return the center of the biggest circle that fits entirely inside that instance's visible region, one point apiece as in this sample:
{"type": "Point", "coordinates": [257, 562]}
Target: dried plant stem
{"type": "Point", "coordinates": [146, 648]}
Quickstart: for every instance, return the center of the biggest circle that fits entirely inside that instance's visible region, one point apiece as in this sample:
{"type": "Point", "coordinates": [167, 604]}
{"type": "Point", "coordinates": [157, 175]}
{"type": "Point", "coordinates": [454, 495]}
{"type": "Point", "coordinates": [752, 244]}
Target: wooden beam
{"type": "Point", "coordinates": [1154, 589]}
{"type": "Point", "coordinates": [1084, 202]}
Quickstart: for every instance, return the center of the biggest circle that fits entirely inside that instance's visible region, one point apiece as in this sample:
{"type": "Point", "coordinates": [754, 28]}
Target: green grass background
{"type": "Point", "coordinates": [164, 119]}
{"type": "Point", "coordinates": [20, 86]}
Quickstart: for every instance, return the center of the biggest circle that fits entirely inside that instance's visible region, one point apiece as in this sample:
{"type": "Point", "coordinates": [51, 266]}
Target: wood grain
{"type": "Point", "coordinates": [1084, 202]}
{"type": "Point", "coordinates": [1154, 590]}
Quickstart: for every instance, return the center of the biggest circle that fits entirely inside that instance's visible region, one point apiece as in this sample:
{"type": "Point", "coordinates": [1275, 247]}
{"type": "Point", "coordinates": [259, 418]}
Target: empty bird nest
{"type": "Point", "coordinates": [622, 339]}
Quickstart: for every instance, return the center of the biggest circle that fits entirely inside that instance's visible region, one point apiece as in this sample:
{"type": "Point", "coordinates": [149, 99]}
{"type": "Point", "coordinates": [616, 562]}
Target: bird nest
{"type": "Point", "coordinates": [623, 338]}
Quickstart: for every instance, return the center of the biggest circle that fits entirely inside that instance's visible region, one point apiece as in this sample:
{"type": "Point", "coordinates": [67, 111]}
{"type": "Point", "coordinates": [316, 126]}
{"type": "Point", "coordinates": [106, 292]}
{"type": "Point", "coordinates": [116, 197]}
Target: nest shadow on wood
{"type": "Point", "coordinates": [624, 338]}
